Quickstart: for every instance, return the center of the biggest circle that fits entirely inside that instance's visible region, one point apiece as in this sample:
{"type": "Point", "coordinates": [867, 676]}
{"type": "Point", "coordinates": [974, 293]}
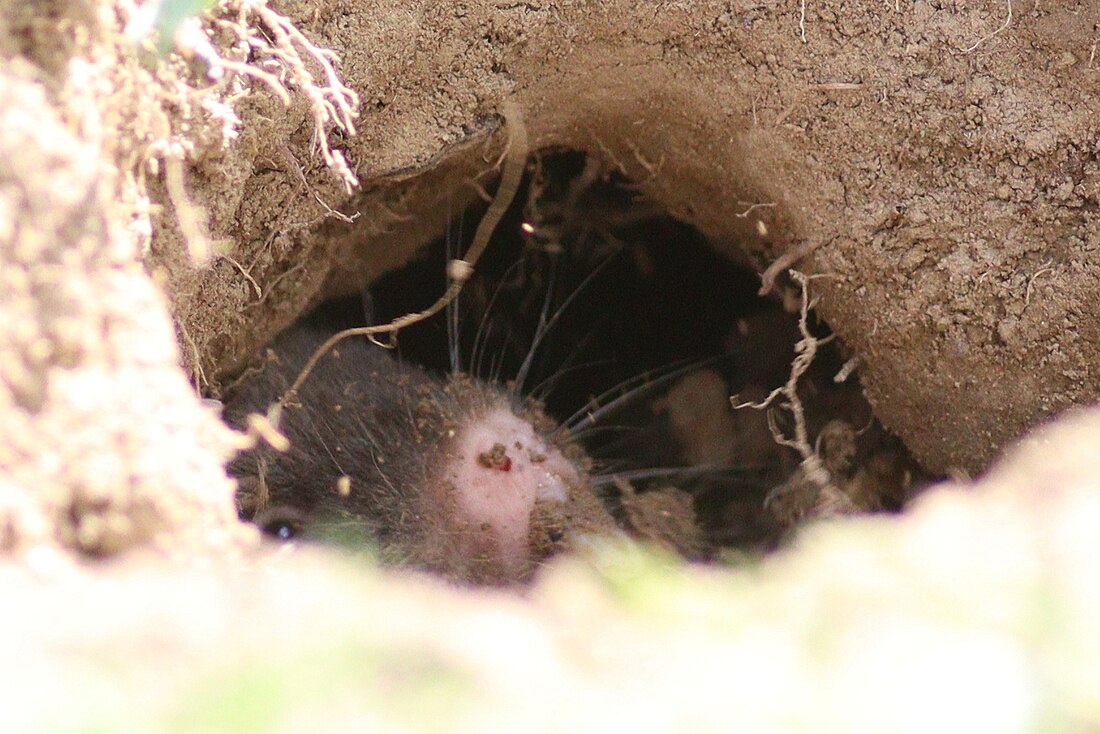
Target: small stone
{"type": "Point", "coordinates": [1007, 330]}
{"type": "Point", "coordinates": [1066, 59]}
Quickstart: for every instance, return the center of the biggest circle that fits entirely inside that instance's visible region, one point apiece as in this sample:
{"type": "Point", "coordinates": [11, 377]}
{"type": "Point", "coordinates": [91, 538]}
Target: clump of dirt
{"type": "Point", "coordinates": [105, 445]}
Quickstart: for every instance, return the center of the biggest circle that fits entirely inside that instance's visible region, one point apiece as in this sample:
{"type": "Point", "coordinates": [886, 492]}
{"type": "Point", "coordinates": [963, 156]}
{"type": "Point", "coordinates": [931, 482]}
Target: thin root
{"type": "Point", "coordinates": [813, 468]}
{"type": "Point", "coordinates": [1001, 29]}
{"type": "Point", "coordinates": [190, 217]}
{"type": "Point", "coordinates": [783, 262]}
{"type": "Point", "coordinates": [458, 272]}
{"type": "Point", "coordinates": [281, 59]}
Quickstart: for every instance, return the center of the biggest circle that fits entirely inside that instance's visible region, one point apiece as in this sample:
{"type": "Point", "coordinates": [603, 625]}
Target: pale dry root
{"type": "Point", "coordinates": [239, 45]}
{"type": "Point", "coordinates": [812, 469]}
{"type": "Point", "coordinates": [282, 60]}
{"type": "Point", "coordinates": [827, 483]}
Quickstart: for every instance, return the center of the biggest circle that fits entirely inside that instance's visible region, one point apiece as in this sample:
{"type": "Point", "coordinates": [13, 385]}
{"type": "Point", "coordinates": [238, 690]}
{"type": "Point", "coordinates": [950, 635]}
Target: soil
{"type": "Point", "coordinates": [948, 192]}
{"type": "Point", "coordinates": [933, 166]}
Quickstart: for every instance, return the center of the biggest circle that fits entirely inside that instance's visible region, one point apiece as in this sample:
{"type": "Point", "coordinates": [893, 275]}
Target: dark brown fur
{"type": "Point", "coordinates": [369, 437]}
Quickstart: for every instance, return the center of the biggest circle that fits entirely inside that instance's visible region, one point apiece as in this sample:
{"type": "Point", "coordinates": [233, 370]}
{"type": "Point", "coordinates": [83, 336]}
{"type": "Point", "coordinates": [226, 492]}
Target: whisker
{"type": "Point", "coordinates": [484, 327]}
{"type": "Point", "coordinates": [662, 472]}
{"type": "Point", "coordinates": [607, 467]}
{"type": "Point", "coordinates": [639, 392]}
{"type": "Point", "coordinates": [494, 377]}
{"type": "Point", "coordinates": [621, 443]}
{"type": "Point", "coordinates": [451, 248]}
{"type": "Point", "coordinates": [540, 327]}
{"type": "Point", "coordinates": [539, 391]}
{"type": "Point", "coordinates": [545, 328]}
{"type": "Point", "coordinates": [476, 364]}
{"type": "Point", "coordinates": [636, 386]}
{"type": "Point", "coordinates": [545, 387]}
{"type": "Point", "coordinates": [627, 383]}
{"type": "Point", "coordinates": [595, 430]}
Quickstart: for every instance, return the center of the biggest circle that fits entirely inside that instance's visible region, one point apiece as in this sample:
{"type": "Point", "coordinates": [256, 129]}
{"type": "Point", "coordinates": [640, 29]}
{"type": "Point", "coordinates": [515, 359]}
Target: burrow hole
{"type": "Point", "coordinates": [645, 315]}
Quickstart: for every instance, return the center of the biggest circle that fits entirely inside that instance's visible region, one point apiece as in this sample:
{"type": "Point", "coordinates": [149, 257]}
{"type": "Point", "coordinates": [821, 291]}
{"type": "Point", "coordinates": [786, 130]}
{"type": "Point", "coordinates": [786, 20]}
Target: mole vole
{"type": "Point", "coordinates": [445, 473]}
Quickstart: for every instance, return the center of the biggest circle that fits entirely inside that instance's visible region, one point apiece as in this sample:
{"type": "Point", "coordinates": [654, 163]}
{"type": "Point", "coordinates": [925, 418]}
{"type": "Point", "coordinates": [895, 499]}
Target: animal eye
{"type": "Point", "coordinates": [282, 523]}
{"type": "Point", "coordinates": [282, 530]}
{"type": "Point", "coordinates": [556, 535]}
